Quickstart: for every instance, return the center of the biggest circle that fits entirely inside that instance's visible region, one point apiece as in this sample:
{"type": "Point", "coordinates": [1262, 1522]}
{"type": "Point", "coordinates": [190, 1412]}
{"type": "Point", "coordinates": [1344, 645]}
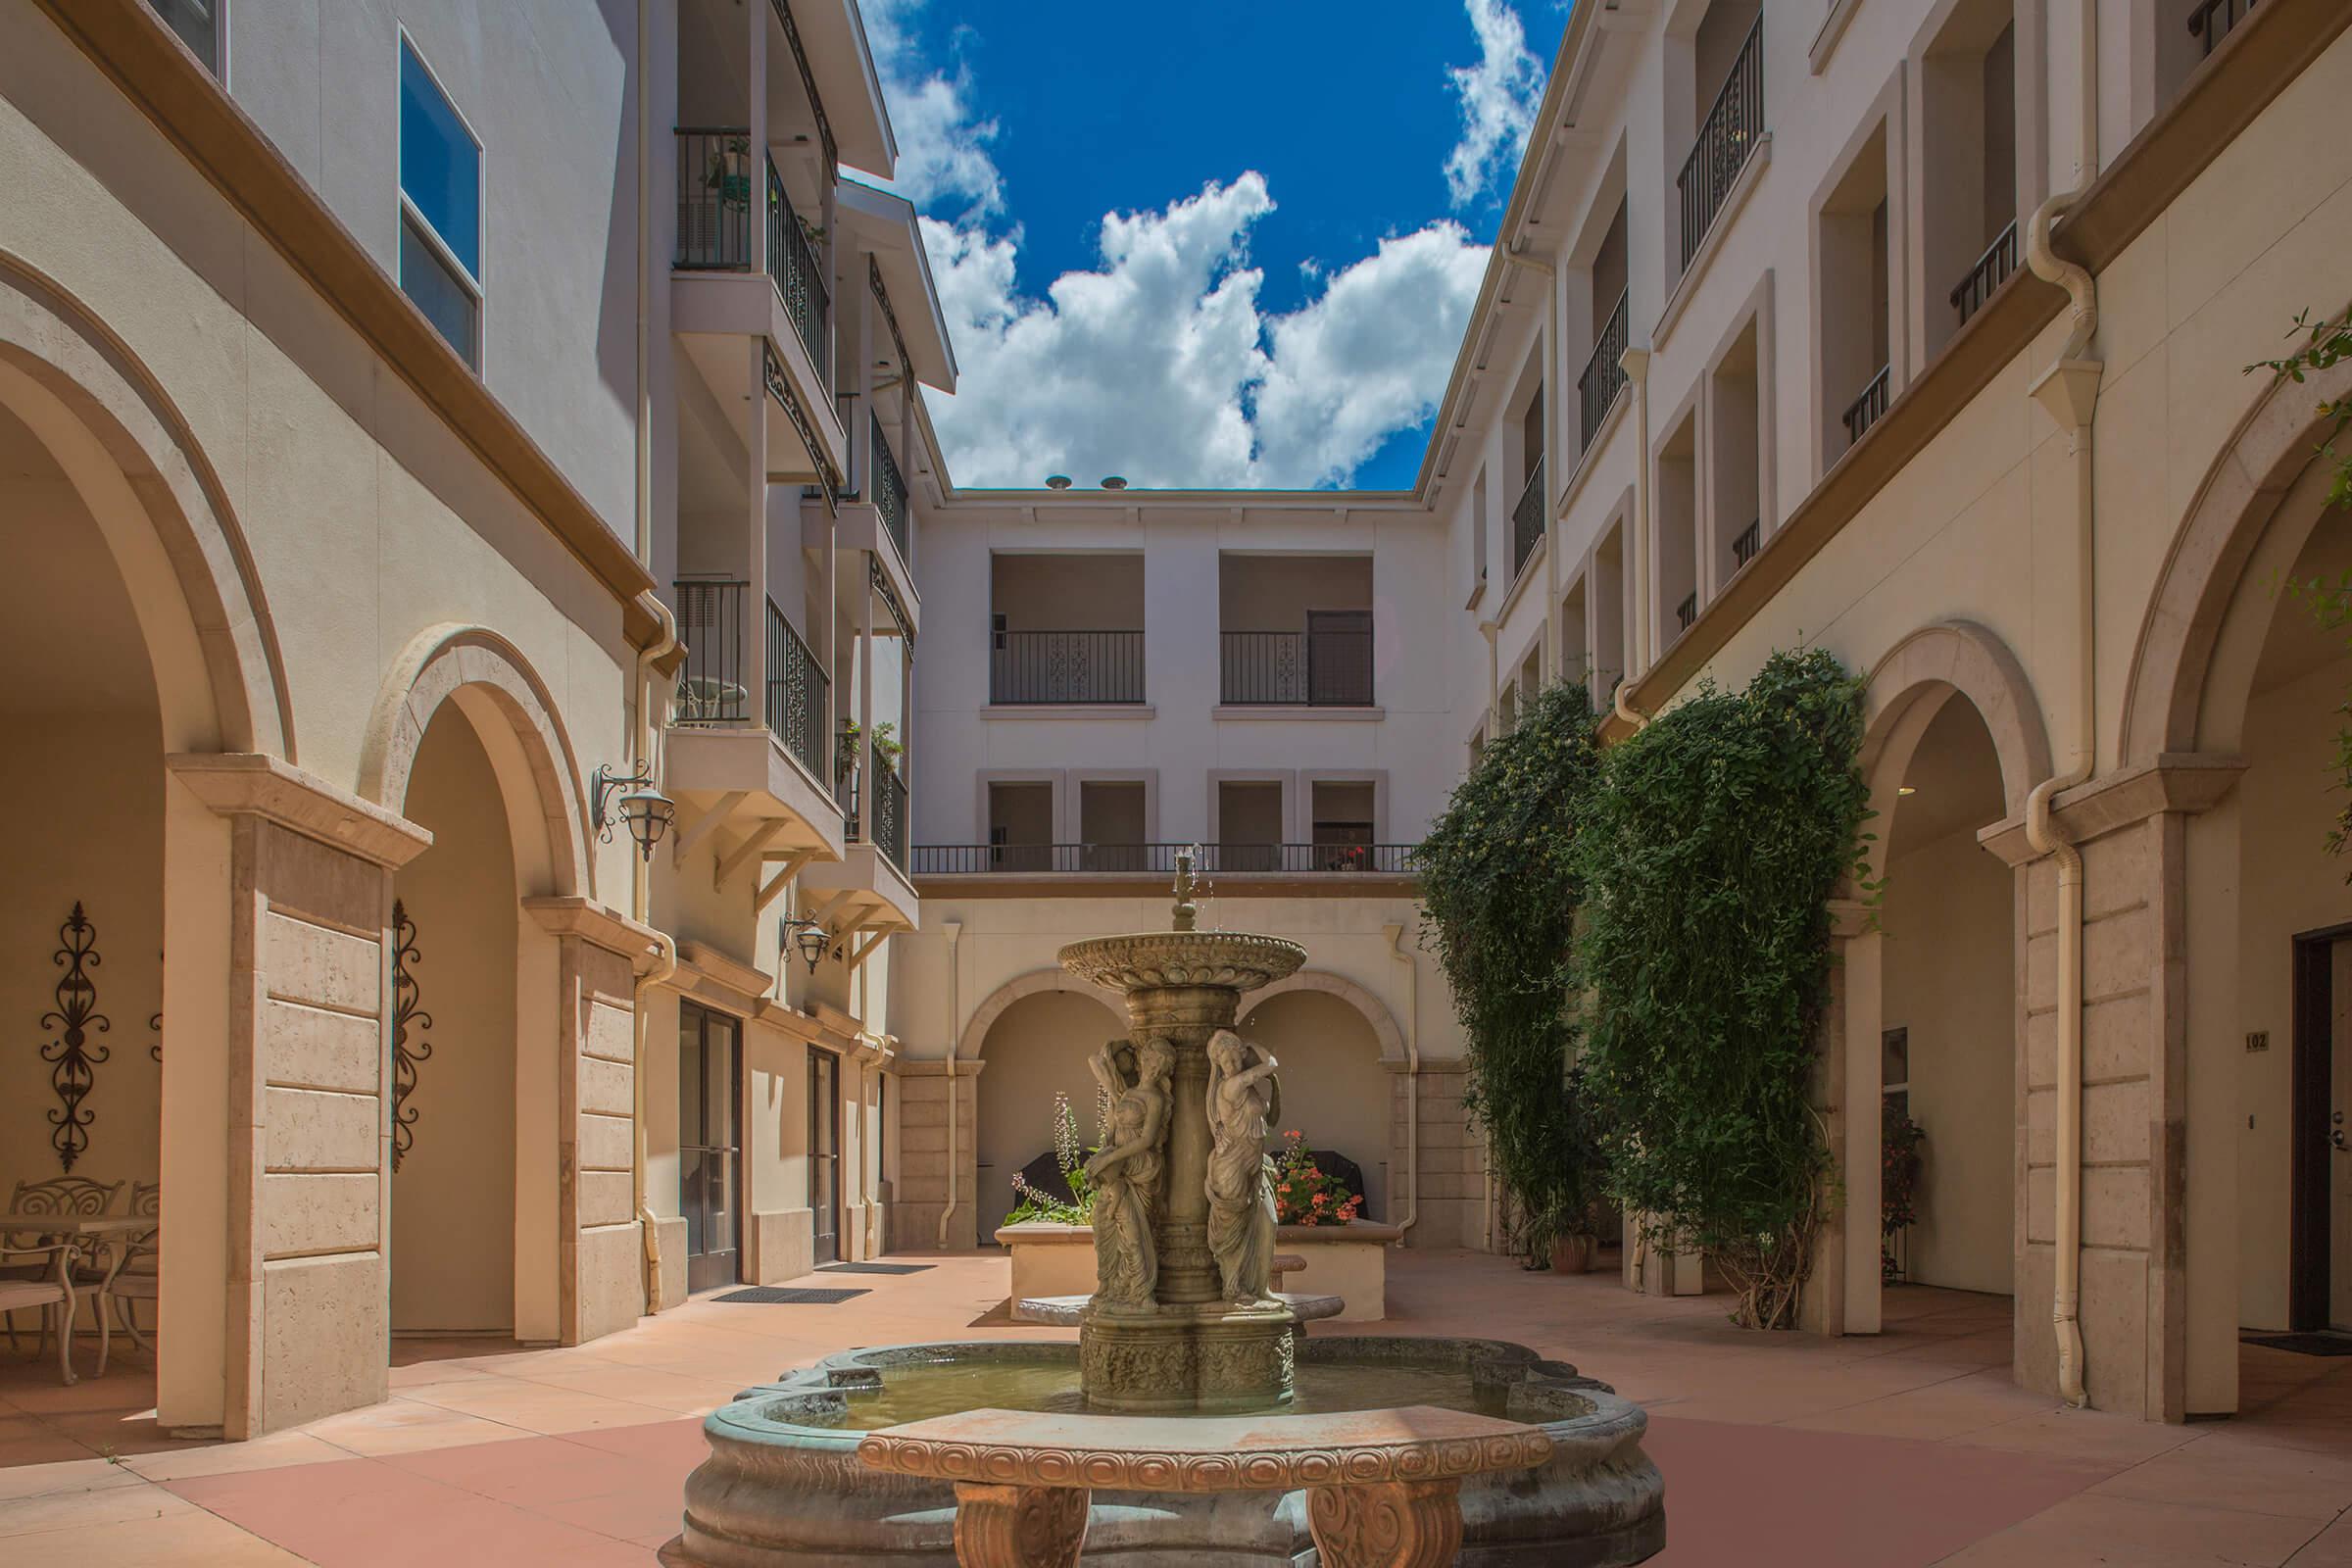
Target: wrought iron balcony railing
{"type": "Point", "coordinates": [798, 696]}
{"type": "Point", "coordinates": [1746, 546]}
{"type": "Point", "coordinates": [1688, 610]}
{"type": "Point", "coordinates": [710, 688]}
{"type": "Point", "coordinates": [1604, 372]}
{"type": "Point", "coordinates": [1327, 666]}
{"type": "Point", "coordinates": [1991, 272]}
{"type": "Point", "coordinates": [1065, 667]}
{"type": "Point", "coordinates": [715, 197]}
{"type": "Point", "coordinates": [1868, 408]}
{"type": "Point", "coordinates": [2212, 21]}
{"type": "Point", "coordinates": [1527, 521]}
{"type": "Point", "coordinates": [1725, 138]}
{"type": "Point", "coordinates": [890, 813]}
{"type": "Point", "coordinates": [890, 493]}
{"type": "Point", "coordinates": [1159, 860]}
{"type": "Point", "coordinates": [799, 277]}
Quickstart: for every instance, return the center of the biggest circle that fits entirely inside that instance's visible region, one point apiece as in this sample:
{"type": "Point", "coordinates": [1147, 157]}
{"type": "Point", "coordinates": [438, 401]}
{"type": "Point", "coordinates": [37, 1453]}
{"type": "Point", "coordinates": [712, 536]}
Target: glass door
{"type": "Point", "coordinates": [709, 1147]}
{"type": "Point", "coordinates": [824, 1152]}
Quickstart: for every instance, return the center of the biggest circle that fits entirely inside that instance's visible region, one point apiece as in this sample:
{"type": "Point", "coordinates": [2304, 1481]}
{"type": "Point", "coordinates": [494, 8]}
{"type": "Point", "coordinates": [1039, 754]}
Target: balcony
{"type": "Point", "coordinates": [755, 771]}
{"type": "Point", "coordinates": [1985, 278]}
{"type": "Point", "coordinates": [1725, 138]}
{"type": "Point", "coordinates": [1327, 666]}
{"type": "Point", "coordinates": [1527, 521]}
{"type": "Point", "coordinates": [1159, 860]}
{"type": "Point", "coordinates": [1036, 667]}
{"type": "Point", "coordinates": [1750, 539]}
{"type": "Point", "coordinates": [1604, 372]}
{"type": "Point", "coordinates": [868, 888]}
{"type": "Point", "coordinates": [1868, 408]}
{"type": "Point", "coordinates": [800, 278]}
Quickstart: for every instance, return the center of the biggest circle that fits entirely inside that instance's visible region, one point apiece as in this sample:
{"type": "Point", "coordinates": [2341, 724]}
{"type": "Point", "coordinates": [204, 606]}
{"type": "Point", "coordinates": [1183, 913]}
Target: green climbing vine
{"type": "Point", "coordinates": [1708, 856]}
{"type": "Point", "coordinates": [1500, 893]}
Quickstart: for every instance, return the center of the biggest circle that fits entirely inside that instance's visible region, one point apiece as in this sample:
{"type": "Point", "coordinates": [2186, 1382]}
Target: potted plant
{"type": "Point", "coordinates": [727, 173]}
{"type": "Point", "coordinates": [1035, 1205]}
{"type": "Point", "coordinates": [1900, 1141]}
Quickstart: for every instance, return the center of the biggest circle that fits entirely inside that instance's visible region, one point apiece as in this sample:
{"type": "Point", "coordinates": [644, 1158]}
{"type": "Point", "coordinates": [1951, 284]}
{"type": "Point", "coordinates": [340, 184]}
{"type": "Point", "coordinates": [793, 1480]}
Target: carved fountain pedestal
{"type": "Point", "coordinates": [1192, 1347]}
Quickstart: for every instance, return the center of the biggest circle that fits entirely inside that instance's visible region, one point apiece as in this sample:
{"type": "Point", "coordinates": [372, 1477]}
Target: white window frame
{"type": "Point", "coordinates": [410, 211]}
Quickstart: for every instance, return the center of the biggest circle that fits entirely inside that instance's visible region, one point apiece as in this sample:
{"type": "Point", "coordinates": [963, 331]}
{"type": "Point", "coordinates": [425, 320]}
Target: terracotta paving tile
{"type": "Point", "coordinates": [534, 1473]}
{"type": "Point", "coordinates": [2135, 1531]}
{"type": "Point", "coordinates": [1823, 1497]}
{"type": "Point", "coordinates": [226, 1459]}
{"type": "Point", "coordinates": [190, 1539]}
{"type": "Point", "coordinates": [65, 1475]}
{"type": "Point", "coordinates": [402, 1426]}
{"type": "Point", "coordinates": [2238, 1475]}
{"type": "Point", "coordinates": [2332, 1548]}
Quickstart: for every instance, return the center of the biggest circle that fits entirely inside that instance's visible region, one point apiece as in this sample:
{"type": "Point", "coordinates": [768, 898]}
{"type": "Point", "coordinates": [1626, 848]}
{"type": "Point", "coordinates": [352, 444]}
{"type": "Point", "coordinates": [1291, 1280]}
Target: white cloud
{"type": "Point", "coordinates": [1500, 97]}
{"type": "Point", "coordinates": [943, 141]}
{"type": "Point", "coordinates": [1161, 365]}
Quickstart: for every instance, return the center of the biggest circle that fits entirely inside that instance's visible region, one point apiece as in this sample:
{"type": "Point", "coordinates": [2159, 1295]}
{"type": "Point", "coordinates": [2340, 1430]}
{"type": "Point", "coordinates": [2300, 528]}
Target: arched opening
{"type": "Point", "coordinates": [1948, 1017]}
{"type": "Point", "coordinates": [1335, 1089]}
{"type": "Point", "coordinates": [453, 1137]}
{"type": "Point", "coordinates": [1036, 1049]}
{"type": "Point", "coordinates": [82, 926]}
{"type": "Point", "coordinates": [2279, 959]}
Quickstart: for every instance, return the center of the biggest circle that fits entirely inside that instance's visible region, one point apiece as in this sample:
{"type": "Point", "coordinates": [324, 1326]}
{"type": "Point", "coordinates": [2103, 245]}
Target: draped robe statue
{"type": "Point", "coordinates": [1126, 1173]}
{"type": "Point", "coordinates": [1242, 1093]}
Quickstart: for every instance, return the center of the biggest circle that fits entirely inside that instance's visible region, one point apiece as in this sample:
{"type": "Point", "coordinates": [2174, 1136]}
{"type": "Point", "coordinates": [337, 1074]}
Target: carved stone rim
{"type": "Point", "coordinates": [1142, 961]}
{"type": "Point", "coordinates": [1298, 1455]}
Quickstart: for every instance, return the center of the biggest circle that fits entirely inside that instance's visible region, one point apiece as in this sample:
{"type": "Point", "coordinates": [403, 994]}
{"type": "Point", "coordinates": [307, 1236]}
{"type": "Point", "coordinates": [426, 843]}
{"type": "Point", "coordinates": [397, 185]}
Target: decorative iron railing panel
{"type": "Point", "coordinates": [2211, 22]}
{"type": "Point", "coordinates": [890, 813]}
{"type": "Point", "coordinates": [1604, 372]}
{"type": "Point", "coordinates": [799, 279]}
{"type": "Point", "coordinates": [1327, 666]}
{"type": "Point", "coordinates": [710, 688]}
{"type": "Point", "coordinates": [1159, 860]}
{"type": "Point", "coordinates": [1725, 138]}
{"type": "Point", "coordinates": [890, 494]}
{"type": "Point", "coordinates": [798, 696]}
{"type": "Point", "coordinates": [1749, 541]}
{"type": "Point", "coordinates": [1688, 610]}
{"type": "Point", "coordinates": [1527, 521]}
{"type": "Point", "coordinates": [1065, 667]}
{"type": "Point", "coordinates": [715, 197]}
{"type": "Point", "coordinates": [1868, 408]}
{"type": "Point", "coordinates": [1991, 272]}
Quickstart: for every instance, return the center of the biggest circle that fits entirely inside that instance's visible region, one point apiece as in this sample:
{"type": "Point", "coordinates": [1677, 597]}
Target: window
{"type": "Point", "coordinates": [198, 24]}
{"type": "Point", "coordinates": [440, 209]}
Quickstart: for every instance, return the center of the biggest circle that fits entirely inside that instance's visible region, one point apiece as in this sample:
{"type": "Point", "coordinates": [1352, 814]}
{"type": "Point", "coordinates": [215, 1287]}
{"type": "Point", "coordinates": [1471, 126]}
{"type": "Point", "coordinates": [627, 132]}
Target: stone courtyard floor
{"type": "Point", "coordinates": [1910, 1448]}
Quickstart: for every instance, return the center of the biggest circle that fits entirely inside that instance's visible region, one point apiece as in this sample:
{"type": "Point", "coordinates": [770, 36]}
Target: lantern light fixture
{"type": "Point", "coordinates": [643, 809]}
{"type": "Point", "coordinates": [804, 936]}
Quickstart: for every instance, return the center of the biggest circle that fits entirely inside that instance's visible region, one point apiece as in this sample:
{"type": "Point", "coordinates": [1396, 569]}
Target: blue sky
{"type": "Point", "coordinates": [1303, 189]}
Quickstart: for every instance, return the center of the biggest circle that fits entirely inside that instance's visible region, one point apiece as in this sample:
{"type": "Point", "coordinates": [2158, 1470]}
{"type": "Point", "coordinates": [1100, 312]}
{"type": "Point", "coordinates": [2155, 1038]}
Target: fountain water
{"type": "Point", "coordinates": [1182, 1329]}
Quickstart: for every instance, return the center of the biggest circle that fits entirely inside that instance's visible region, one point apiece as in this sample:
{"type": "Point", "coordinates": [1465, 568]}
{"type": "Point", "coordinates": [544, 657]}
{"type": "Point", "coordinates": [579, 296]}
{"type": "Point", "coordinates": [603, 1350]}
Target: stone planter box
{"type": "Point", "coordinates": [1350, 1261]}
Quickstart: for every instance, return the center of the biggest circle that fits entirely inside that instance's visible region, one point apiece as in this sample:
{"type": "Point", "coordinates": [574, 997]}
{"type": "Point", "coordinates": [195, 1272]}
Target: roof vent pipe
{"type": "Point", "coordinates": [1113, 482]}
{"type": "Point", "coordinates": [1058, 481]}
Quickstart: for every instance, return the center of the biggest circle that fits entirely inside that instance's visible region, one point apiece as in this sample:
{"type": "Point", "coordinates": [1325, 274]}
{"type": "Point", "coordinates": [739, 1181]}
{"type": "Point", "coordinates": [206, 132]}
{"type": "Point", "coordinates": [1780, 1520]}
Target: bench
{"type": "Point", "coordinates": [1383, 1486]}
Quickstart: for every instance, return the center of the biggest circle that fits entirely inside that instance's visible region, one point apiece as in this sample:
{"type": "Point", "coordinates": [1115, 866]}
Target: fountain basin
{"type": "Point", "coordinates": [783, 1483]}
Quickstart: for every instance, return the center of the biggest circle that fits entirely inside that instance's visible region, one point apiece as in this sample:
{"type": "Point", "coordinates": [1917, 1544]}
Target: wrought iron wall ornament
{"type": "Point", "coordinates": [72, 1055]}
{"type": "Point", "coordinates": [406, 1015]}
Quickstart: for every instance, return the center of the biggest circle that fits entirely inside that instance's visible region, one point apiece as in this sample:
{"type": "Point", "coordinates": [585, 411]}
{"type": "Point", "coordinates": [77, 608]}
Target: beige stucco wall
{"type": "Point", "coordinates": [1334, 1086]}
{"type": "Point", "coordinates": [452, 1200]}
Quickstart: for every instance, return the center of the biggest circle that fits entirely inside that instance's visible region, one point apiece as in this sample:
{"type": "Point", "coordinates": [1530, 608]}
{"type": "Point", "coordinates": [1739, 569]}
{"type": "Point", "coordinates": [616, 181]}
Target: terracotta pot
{"type": "Point", "coordinates": [1572, 1255]}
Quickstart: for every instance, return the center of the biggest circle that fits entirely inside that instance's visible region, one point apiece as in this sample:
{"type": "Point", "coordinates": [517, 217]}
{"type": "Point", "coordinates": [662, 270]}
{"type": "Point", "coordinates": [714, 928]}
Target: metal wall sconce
{"type": "Point", "coordinates": [644, 810]}
{"type": "Point", "coordinates": [807, 937]}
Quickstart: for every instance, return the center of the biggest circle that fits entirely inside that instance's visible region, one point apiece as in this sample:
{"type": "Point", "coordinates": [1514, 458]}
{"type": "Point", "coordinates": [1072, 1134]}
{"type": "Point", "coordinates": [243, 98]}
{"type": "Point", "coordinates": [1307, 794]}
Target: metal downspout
{"type": "Point", "coordinates": [955, 931]}
{"type": "Point", "coordinates": [1637, 369]}
{"type": "Point", "coordinates": [1412, 1077]}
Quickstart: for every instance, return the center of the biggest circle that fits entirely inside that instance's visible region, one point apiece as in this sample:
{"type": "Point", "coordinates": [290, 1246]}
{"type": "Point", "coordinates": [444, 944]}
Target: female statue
{"type": "Point", "coordinates": [1126, 1172]}
{"type": "Point", "coordinates": [1241, 1180]}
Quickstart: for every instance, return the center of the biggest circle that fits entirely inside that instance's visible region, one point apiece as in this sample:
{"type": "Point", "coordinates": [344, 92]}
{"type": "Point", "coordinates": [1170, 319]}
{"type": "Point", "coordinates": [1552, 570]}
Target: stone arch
{"type": "Point", "coordinates": [2211, 553]}
{"type": "Point", "coordinates": [1924, 671]}
{"type": "Point", "coordinates": [121, 440]}
{"type": "Point", "coordinates": [1374, 1011]}
{"type": "Point", "coordinates": [486, 674]}
{"type": "Point", "coordinates": [1034, 982]}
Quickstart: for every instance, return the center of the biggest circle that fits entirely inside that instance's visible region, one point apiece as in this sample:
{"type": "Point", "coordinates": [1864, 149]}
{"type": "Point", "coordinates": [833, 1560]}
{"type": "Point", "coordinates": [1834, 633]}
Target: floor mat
{"type": "Point", "coordinates": [788, 1296]}
{"type": "Point", "coordinates": [2303, 1343]}
{"type": "Point", "coordinates": [874, 1268]}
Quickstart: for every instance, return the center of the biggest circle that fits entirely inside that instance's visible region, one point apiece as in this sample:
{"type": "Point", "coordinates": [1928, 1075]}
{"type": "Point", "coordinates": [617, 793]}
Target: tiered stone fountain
{"type": "Point", "coordinates": [1180, 1337]}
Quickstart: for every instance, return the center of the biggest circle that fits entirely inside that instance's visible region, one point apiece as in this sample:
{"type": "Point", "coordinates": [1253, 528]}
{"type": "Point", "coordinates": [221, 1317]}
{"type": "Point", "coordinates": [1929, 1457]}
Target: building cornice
{"type": "Point", "coordinates": [154, 71]}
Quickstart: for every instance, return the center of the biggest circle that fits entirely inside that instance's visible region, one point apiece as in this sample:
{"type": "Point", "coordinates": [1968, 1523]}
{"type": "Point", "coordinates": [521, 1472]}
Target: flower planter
{"type": "Point", "coordinates": [1350, 1261]}
{"type": "Point", "coordinates": [1573, 1254]}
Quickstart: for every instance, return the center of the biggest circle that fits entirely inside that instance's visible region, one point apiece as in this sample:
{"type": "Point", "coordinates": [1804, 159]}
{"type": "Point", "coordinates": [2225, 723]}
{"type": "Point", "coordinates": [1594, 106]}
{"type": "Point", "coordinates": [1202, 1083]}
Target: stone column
{"type": "Point", "coordinates": [306, 1329]}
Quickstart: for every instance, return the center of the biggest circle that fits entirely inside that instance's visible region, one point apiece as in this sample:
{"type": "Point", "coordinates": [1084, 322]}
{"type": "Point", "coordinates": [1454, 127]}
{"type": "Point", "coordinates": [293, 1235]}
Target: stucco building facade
{"type": "Point", "coordinates": [419, 426]}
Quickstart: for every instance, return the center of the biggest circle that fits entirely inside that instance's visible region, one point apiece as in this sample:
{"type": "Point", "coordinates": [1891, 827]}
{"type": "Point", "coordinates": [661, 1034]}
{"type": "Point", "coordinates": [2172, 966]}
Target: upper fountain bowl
{"type": "Point", "coordinates": [1236, 961]}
